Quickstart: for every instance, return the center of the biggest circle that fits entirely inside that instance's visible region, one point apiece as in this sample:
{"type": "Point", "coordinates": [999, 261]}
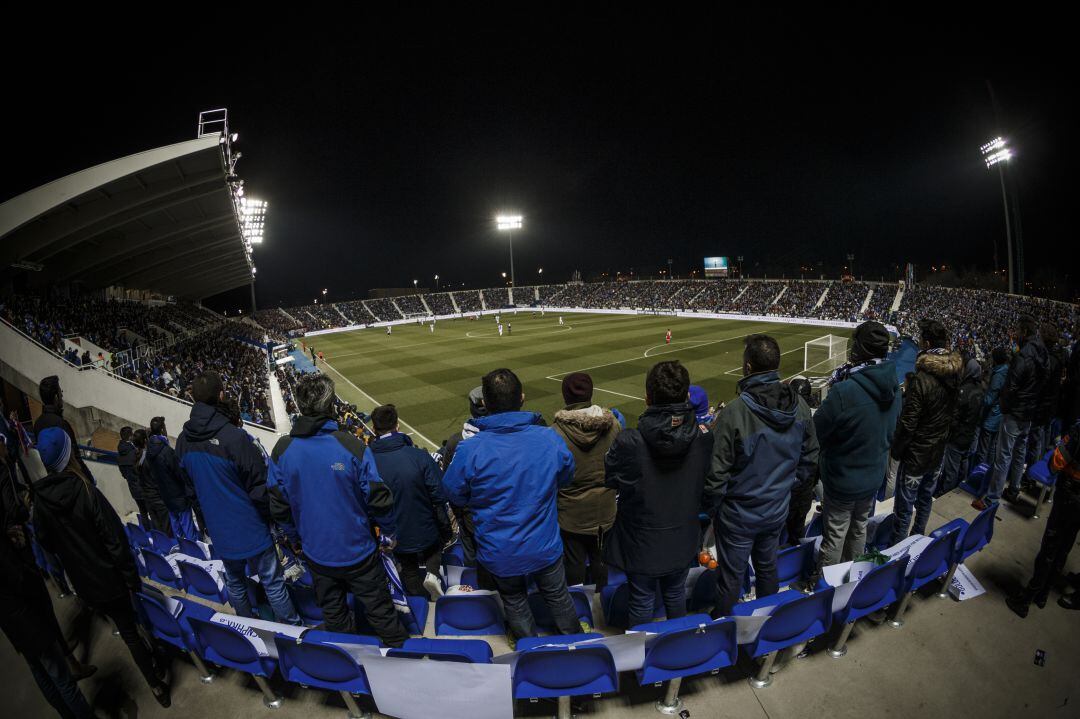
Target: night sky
{"type": "Point", "coordinates": [385, 152]}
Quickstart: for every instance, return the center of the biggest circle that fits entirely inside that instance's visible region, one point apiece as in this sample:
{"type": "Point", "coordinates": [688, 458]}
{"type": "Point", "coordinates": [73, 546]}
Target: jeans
{"type": "Point", "coordinates": [1058, 539]}
{"type": "Point", "coordinates": [411, 576]}
{"type": "Point", "coordinates": [1038, 441]}
{"type": "Point", "coordinates": [272, 579]}
{"type": "Point", "coordinates": [986, 447]}
{"type": "Point", "coordinates": [843, 525]}
{"type": "Point", "coordinates": [913, 490]}
{"type": "Point", "coordinates": [59, 688]}
{"type": "Point", "coordinates": [551, 583]}
{"type": "Point", "coordinates": [1009, 461]}
{"type": "Point", "coordinates": [577, 548]}
{"type": "Point", "coordinates": [643, 596]}
{"type": "Point", "coordinates": [368, 583]}
{"type": "Point", "coordinates": [733, 548]}
{"type": "Point", "coordinates": [953, 466]}
{"type": "Point", "coordinates": [183, 525]}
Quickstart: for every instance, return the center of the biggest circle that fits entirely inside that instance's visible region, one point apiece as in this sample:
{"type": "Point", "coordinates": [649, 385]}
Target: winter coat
{"type": "Point", "coordinates": [764, 442]}
{"type": "Point", "coordinates": [126, 459]}
{"type": "Point", "coordinates": [325, 491]}
{"type": "Point", "coordinates": [53, 416]}
{"type": "Point", "coordinates": [1070, 392]}
{"type": "Point", "coordinates": [1050, 395]}
{"type": "Point", "coordinates": [659, 471]}
{"type": "Point", "coordinates": [413, 477]}
{"type": "Point", "coordinates": [73, 520]}
{"type": "Point", "coordinates": [854, 427]}
{"type": "Point", "coordinates": [969, 405]}
{"type": "Point", "coordinates": [26, 611]}
{"type": "Point", "coordinates": [229, 477]}
{"type": "Point", "coordinates": [1024, 383]}
{"type": "Point", "coordinates": [586, 505]}
{"type": "Point", "coordinates": [507, 476]}
{"type": "Point", "coordinates": [173, 485]}
{"type": "Point", "coordinates": [929, 407]}
{"type": "Point", "coordinates": [992, 398]}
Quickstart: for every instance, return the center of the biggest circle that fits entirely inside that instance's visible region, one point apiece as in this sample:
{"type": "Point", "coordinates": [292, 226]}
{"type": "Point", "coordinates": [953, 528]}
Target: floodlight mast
{"type": "Point", "coordinates": [507, 224]}
{"type": "Point", "coordinates": [996, 152]}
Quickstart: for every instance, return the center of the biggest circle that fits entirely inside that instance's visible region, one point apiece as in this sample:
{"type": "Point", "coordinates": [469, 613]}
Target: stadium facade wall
{"type": "Point", "coordinates": [95, 398]}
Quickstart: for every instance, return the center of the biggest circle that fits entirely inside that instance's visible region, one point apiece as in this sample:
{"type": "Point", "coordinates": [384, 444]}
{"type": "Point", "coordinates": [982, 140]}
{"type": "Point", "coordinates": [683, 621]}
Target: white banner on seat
{"type": "Point", "coordinates": [258, 631]}
{"type": "Point", "coordinates": [415, 688]}
{"type": "Point", "coordinates": [964, 585]}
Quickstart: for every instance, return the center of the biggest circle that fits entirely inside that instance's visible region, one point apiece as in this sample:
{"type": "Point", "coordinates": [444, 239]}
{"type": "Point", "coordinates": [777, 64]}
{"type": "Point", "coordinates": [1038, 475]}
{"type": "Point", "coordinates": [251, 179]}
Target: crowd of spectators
{"type": "Point", "coordinates": [881, 303]}
{"type": "Point", "coordinates": [356, 311]}
{"type": "Point", "coordinates": [496, 297]}
{"type": "Point", "coordinates": [843, 302]}
{"type": "Point", "coordinates": [277, 324]}
{"type": "Point", "coordinates": [411, 305]}
{"type": "Point", "coordinates": [440, 303]}
{"type": "Point", "coordinates": [468, 300]}
{"type": "Point", "coordinates": [712, 296]}
{"type": "Point", "coordinates": [798, 300]}
{"type": "Point", "coordinates": [384, 309]}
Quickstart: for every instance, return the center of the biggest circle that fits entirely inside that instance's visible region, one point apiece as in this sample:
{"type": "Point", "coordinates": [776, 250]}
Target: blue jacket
{"type": "Point", "coordinates": [173, 485]}
{"type": "Point", "coordinates": [508, 475]}
{"type": "Point", "coordinates": [855, 426]}
{"type": "Point", "coordinates": [325, 490]}
{"type": "Point", "coordinates": [229, 475]}
{"type": "Point", "coordinates": [413, 478]}
{"type": "Point", "coordinates": [992, 398]}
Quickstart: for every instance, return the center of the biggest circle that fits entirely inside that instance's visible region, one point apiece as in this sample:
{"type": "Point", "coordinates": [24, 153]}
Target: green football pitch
{"type": "Point", "coordinates": [428, 375]}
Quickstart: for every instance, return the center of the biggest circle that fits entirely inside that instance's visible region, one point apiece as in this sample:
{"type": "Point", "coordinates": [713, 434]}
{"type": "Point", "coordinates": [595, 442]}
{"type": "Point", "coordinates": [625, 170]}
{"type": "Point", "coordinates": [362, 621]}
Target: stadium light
{"type": "Point", "coordinates": [252, 218]}
{"type": "Point", "coordinates": [997, 152]}
{"type": "Point", "coordinates": [436, 282]}
{"type": "Point", "coordinates": [507, 224]}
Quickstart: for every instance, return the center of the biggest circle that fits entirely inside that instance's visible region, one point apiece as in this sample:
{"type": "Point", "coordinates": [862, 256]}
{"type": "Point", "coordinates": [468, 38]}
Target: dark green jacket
{"type": "Point", "coordinates": [586, 505]}
{"type": "Point", "coordinates": [855, 426]}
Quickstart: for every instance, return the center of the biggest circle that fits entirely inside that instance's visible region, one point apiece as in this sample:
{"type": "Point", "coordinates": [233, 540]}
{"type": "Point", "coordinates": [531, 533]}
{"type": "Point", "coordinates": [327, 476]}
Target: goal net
{"type": "Point", "coordinates": [824, 354]}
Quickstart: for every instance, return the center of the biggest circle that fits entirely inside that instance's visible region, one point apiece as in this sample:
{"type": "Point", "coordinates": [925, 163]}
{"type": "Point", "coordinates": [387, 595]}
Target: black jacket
{"type": "Point", "coordinates": [1070, 392]}
{"type": "Point", "coordinates": [54, 417]}
{"type": "Point", "coordinates": [1024, 382]}
{"type": "Point", "coordinates": [969, 407]}
{"type": "Point", "coordinates": [173, 484]}
{"type": "Point", "coordinates": [74, 521]}
{"type": "Point", "coordinates": [126, 459]}
{"type": "Point", "coordinates": [26, 613]}
{"type": "Point", "coordinates": [659, 471]}
{"type": "Point", "coordinates": [927, 415]}
{"type": "Point", "coordinates": [413, 478]}
{"type": "Point", "coordinates": [1050, 395]}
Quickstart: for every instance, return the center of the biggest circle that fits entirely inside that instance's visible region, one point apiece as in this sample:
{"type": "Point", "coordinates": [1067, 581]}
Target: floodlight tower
{"type": "Point", "coordinates": [996, 152]}
{"type": "Point", "coordinates": [252, 215]}
{"type": "Point", "coordinates": [507, 224]}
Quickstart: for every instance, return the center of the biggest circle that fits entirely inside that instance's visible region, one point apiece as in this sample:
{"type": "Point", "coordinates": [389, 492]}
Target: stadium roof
{"type": "Point", "coordinates": [163, 220]}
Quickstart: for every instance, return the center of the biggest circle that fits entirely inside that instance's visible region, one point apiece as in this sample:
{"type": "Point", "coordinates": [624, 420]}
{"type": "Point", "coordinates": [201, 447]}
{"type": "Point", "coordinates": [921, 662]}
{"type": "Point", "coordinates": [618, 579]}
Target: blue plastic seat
{"type": "Point", "coordinates": [198, 581]}
{"type": "Point", "coordinates": [879, 588]}
{"type": "Point", "coordinates": [977, 481]}
{"type": "Point", "coordinates": [796, 619]}
{"type": "Point", "coordinates": [143, 520]}
{"type": "Point", "coordinates": [1040, 474]}
{"type": "Point", "coordinates": [469, 651]}
{"type": "Point", "coordinates": [469, 577]}
{"type": "Point", "coordinates": [175, 630]}
{"type": "Point", "coordinates": [813, 527]}
{"type": "Point", "coordinates": [304, 599]}
{"type": "Point", "coordinates": [225, 646]}
{"type": "Point", "coordinates": [312, 663]}
{"type": "Point", "coordinates": [454, 556]}
{"type": "Point", "coordinates": [191, 548]}
{"type": "Point", "coordinates": [794, 563]}
{"type": "Point", "coordinates": [163, 543]}
{"type": "Point", "coordinates": [615, 576]}
{"type": "Point", "coordinates": [935, 561]}
{"type": "Point", "coordinates": [414, 620]}
{"type": "Point", "coordinates": [704, 592]}
{"type": "Point", "coordinates": [467, 614]}
{"type": "Point", "coordinates": [685, 647]}
{"type": "Point", "coordinates": [542, 614]}
{"type": "Point", "coordinates": [615, 601]}
{"type": "Point", "coordinates": [138, 537]}
{"type": "Point", "coordinates": [560, 672]}
{"type": "Point", "coordinates": [159, 569]}
{"type": "Point", "coordinates": [972, 538]}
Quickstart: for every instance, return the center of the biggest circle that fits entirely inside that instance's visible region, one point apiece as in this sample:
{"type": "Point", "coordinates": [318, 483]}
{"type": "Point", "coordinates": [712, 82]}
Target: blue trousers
{"type": "Point", "coordinates": [913, 490]}
{"type": "Point", "coordinates": [643, 595]}
{"type": "Point", "coordinates": [59, 688]}
{"type": "Point", "coordinates": [734, 548]}
{"type": "Point", "coordinates": [272, 579]}
{"type": "Point", "coordinates": [1009, 460]}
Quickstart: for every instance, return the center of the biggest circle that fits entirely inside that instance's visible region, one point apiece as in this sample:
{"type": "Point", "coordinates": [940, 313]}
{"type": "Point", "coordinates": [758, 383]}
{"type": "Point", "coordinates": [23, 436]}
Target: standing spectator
{"type": "Point", "coordinates": [586, 507]}
{"type": "Point", "coordinates": [52, 415]}
{"type": "Point", "coordinates": [10, 431]}
{"type": "Point", "coordinates": [73, 520]}
{"type": "Point", "coordinates": [173, 484]}
{"type": "Point", "coordinates": [508, 476]}
{"type": "Point", "coordinates": [229, 477]}
{"type": "Point", "coordinates": [659, 471]}
{"type": "Point", "coordinates": [126, 459]}
{"type": "Point", "coordinates": [325, 492]}
{"type": "Point", "coordinates": [992, 406]}
{"type": "Point", "coordinates": [964, 430]}
{"type": "Point", "coordinates": [855, 426]}
{"type": "Point", "coordinates": [159, 513]}
{"type": "Point", "coordinates": [1049, 398]}
{"type": "Point", "coordinates": [1019, 402]}
{"type": "Point", "coordinates": [1061, 530]}
{"type": "Point", "coordinates": [1070, 392]}
{"type": "Point", "coordinates": [764, 442]}
{"type": "Point", "coordinates": [419, 508]}
{"type": "Point", "coordinates": [466, 525]}
{"type": "Point", "coordinates": [802, 494]}
{"type": "Point", "coordinates": [921, 433]}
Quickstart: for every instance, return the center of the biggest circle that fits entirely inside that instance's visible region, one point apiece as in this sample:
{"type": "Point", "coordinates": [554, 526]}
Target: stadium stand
{"type": "Point", "coordinates": [843, 302]}
{"type": "Point", "coordinates": [468, 300]}
{"type": "Point", "coordinates": [440, 303]}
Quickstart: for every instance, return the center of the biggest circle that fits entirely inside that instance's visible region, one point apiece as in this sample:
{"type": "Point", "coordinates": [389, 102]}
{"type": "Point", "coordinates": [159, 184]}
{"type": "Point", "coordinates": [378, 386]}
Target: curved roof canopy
{"type": "Point", "coordinates": [164, 220]}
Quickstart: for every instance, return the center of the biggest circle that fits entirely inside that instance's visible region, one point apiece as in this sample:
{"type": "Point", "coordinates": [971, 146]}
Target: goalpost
{"type": "Point", "coordinates": [824, 354]}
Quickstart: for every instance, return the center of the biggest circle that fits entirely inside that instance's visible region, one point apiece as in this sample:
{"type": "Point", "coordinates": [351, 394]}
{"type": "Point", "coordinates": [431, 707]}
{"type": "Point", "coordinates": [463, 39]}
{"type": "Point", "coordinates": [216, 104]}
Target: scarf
{"type": "Point", "coordinates": [844, 371]}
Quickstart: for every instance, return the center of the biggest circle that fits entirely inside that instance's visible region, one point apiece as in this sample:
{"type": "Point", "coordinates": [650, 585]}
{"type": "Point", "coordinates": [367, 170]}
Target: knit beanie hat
{"type": "Point", "coordinates": [870, 340]}
{"type": "Point", "coordinates": [577, 388]}
{"type": "Point", "coordinates": [699, 400]}
{"type": "Point", "coordinates": [54, 447]}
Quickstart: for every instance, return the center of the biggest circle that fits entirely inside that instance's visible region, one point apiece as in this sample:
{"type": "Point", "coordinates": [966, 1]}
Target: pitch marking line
{"type": "Point", "coordinates": [378, 403]}
{"type": "Point", "coordinates": [738, 370]}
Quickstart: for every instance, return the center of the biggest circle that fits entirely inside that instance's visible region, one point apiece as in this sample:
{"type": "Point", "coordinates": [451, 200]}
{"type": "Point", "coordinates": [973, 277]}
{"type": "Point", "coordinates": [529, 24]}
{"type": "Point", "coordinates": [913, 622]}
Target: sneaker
{"type": "Point", "coordinates": [1018, 604]}
{"type": "Point", "coordinates": [433, 586]}
{"type": "Point", "coordinates": [1012, 496]}
{"type": "Point", "coordinates": [979, 504]}
{"type": "Point", "coordinates": [162, 695]}
{"type": "Point", "coordinates": [1069, 601]}
{"type": "Point", "coordinates": [1040, 600]}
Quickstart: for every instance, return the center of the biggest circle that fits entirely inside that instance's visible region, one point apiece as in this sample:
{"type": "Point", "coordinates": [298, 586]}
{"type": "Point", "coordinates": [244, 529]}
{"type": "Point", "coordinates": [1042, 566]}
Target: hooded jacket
{"type": "Point", "coordinates": [1056, 361]}
{"type": "Point", "coordinates": [127, 457]}
{"type": "Point", "coordinates": [586, 505]}
{"type": "Point", "coordinates": [73, 520]}
{"type": "Point", "coordinates": [325, 491]}
{"type": "Point", "coordinates": [929, 407]}
{"type": "Point", "coordinates": [764, 442]}
{"type": "Point", "coordinates": [174, 487]}
{"type": "Point", "coordinates": [229, 477]}
{"type": "Point", "coordinates": [969, 406]}
{"type": "Point", "coordinates": [659, 471]}
{"type": "Point", "coordinates": [854, 427]}
{"type": "Point", "coordinates": [992, 398]}
{"type": "Point", "coordinates": [1024, 383]}
{"type": "Point", "coordinates": [413, 478]}
{"type": "Point", "coordinates": [507, 476]}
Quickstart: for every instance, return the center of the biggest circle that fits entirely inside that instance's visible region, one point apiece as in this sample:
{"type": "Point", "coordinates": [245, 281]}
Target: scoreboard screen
{"type": "Point", "coordinates": [716, 267]}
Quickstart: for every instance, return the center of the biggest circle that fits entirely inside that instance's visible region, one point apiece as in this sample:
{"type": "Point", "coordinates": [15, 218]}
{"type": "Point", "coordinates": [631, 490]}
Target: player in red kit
{"type": "Point", "coordinates": [668, 337]}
